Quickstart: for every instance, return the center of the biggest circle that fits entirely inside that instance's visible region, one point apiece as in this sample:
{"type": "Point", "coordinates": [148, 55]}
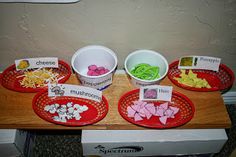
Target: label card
{"type": "Point", "coordinates": [156, 92]}
{"type": "Point", "coordinates": [31, 63]}
{"type": "Point", "coordinates": [199, 62]}
{"type": "Point", "coordinates": [98, 82]}
{"type": "Point", "coordinates": [74, 91]}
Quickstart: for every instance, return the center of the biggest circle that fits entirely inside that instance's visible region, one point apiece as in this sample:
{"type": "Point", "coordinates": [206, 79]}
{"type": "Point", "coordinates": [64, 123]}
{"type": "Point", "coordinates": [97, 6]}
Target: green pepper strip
{"type": "Point", "coordinates": [145, 71]}
{"type": "Point", "coordinates": [151, 73]}
{"type": "Point", "coordinates": [140, 68]}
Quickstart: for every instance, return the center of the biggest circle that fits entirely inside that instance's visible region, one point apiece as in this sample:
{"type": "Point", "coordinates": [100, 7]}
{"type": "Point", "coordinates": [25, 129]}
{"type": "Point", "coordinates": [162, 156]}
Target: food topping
{"type": "Point", "coordinates": [65, 112]}
{"type": "Point", "coordinates": [38, 78]}
{"type": "Point", "coordinates": [191, 79]}
{"type": "Point", "coordinates": [145, 71]}
{"type": "Point", "coordinates": [94, 70]}
{"type": "Point", "coordinates": [140, 110]}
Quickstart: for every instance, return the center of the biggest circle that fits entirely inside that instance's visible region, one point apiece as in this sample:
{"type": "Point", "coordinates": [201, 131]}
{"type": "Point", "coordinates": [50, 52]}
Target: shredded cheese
{"type": "Point", "coordinates": [38, 78]}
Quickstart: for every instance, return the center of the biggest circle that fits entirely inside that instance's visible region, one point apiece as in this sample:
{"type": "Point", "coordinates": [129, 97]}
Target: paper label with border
{"type": "Point", "coordinates": [199, 62]}
{"type": "Point", "coordinates": [74, 91]}
{"type": "Point", "coordinates": [156, 92]}
{"type": "Point", "coordinates": [97, 83]}
{"type": "Point", "coordinates": [41, 62]}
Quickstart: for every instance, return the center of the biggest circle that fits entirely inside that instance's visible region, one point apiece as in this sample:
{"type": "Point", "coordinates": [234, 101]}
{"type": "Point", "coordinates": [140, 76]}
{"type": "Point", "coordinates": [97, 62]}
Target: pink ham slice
{"type": "Point", "coordinates": [159, 112]}
{"type": "Point", "coordinates": [163, 119]}
{"type": "Point", "coordinates": [135, 107]}
{"type": "Point", "coordinates": [174, 109]}
{"type": "Point", "coordinates": [140, 110]}
{"type": "Point", "coordinates": [164, 106]}
{"type": "Point", "coordinates": [151, 108]}
{"type": "Point", "coordinates": [164, 111]}
{"type": "Point", "coordinates": [143, 104]}
{"type": "Point", "coordinates": [169, 113]}
{"type": "Point", "coordinates": [148, 114]}
{"type": "Point", "coordinates": [131, 111]}
{"type": "Point", "coordinates": [137, 117]}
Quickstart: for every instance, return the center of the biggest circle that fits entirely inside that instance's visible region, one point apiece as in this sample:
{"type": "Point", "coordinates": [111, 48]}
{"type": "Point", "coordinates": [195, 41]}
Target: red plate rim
{"type": "Point", "coordinates": [221, 88]}
{"type": "Point", "coordinates": [67, 124]}
{"type": "Point", "coordinates": [0, 78]}
{"type": "Point", "coordinates": [31, 90]}
{"type": "Point", "coordinates": [156, 127]}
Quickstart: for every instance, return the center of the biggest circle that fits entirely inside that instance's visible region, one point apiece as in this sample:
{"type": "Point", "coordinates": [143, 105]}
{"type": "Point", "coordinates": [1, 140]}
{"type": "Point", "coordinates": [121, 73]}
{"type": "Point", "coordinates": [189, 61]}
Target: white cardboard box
{"type": "Point", "coordinates": [7, 143]}
{"type": "Point", "coordinates": [152, 142]}
{"type": "Point", "coordinates": [15, 143]}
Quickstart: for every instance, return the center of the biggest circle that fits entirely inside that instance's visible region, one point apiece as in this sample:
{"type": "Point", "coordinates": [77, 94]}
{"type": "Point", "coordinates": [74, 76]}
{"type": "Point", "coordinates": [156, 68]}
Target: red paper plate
{"type": "Point", "coordinates": [96, 111]}
{"type": "Point", "coordinates": [219, 81]}
{"type": "Point", "coordinates": [10, 81]}
{"type": "Point", "coordinates": [185, 114]}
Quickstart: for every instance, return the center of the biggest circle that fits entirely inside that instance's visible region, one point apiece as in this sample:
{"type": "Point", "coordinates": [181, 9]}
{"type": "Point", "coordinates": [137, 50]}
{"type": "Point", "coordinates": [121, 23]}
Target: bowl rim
{"type": "Point", "coordinates": [94, 47]}
{"type": "Point", "coordinates": [146, 51]}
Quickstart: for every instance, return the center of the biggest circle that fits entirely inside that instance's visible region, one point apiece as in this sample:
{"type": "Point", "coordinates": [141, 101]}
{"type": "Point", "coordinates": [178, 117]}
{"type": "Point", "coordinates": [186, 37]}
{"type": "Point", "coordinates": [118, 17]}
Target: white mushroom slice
{"type": "Point", "coordinates": [47, 107]}
{"type": "Point", "coordinates": [79, 111]}
{"type": "Point", "coordinates": [63, 119]}
{"type": "Point", "coordinates": [76, 113]}
{"type": "Point", "coordinates": [70, 110]}
{"type": "Point", "coordinates": [56, 118]}
{"type": "Point", "coordinates": [63, 110]}
{"type": "Point", "coordinates": [78, 117]}
{"type": "Point", "coordinates": [66, 111]}
{"type": "Point", "coordinates": [84, 108]}
{"type": "Point", "coordinates": [69, 116]}
{"type": "Point", "coordinates": [62, 115]}
{"type": "Point", "coordinates": [57, 105]}
{"type": "Point", "coordinates": [69, 104]}
{"type": "Point", "coordinates": [63, 106]}
{"type": "Point", "coordinates": [80, 107]}
{"type": "Point", "coordinates": [52, 110]}
{"type": "Point", "coordinates": [77, 106]}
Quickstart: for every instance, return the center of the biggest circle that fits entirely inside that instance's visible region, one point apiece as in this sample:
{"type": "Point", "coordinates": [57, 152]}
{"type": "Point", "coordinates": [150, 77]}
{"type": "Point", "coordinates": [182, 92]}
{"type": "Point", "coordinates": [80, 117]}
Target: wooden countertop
{"type": "Point", "coordinates": [16, 109]}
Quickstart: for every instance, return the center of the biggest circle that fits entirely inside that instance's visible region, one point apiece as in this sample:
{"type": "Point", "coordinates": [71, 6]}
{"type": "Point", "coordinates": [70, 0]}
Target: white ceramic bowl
{"type": "Point", "coordinates": [98, 55]}
{"type": "Point", "coordinates": [146, 56]}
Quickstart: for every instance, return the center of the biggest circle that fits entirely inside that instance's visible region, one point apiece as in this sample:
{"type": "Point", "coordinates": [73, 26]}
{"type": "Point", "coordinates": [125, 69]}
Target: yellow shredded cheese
{"type": "Point", "coordinates": [38, 78]}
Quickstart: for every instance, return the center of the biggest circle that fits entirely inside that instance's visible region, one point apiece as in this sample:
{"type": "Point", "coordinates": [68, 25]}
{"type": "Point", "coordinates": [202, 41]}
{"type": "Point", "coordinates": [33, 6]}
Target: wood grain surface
{"type": "Point", "coordinates": [16, 109]}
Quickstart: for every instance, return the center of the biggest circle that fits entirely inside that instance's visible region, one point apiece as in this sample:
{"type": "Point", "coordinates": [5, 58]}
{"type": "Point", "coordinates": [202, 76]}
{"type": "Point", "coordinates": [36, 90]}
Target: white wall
{"type": "Point", "coordinates": [172, 27]}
